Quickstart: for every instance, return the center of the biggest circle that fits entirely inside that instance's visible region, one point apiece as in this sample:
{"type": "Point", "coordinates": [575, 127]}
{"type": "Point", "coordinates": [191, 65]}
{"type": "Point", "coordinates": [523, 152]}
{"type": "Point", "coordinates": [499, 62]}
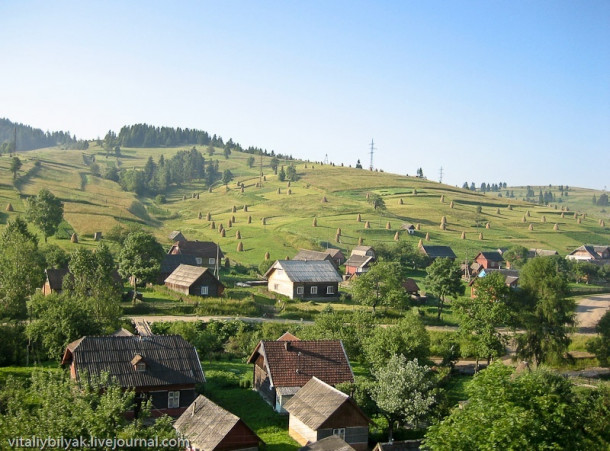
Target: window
{"type": "Point", "coordinates": [212, 261]}
{"type": "Point", "coordinates": [204, 290]}
{"type": "Point", "coordinates": [173, 399]}
{"type": "Point", "coordinates": [330, 290]}
{"type": "Point", "coordinates": [300, 290]}
{"type": "Point", "coordinates": [314, 290]}
{"type": "Point", "coordinates": [140, 367]}
{"type": "Point", "coordinates": [199, 260]}
{"type": "Point", "coordinates": [339, 432]}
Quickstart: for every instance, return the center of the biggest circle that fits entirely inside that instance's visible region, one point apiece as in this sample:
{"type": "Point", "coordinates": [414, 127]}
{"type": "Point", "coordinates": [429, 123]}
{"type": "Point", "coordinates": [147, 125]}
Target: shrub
{"type": "Point", "coordinates": [160, 199]}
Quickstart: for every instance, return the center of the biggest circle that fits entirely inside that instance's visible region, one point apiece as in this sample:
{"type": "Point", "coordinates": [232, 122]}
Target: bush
{"type": "Point", "coordinates": [160, 199]}
{"type": "Point", "coordinates": [223, 379]}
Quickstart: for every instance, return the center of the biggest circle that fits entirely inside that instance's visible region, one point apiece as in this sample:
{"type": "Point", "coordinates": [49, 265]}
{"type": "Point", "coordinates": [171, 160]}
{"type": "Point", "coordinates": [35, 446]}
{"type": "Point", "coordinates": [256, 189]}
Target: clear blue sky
{"type": "Point", "coordinates": [515, 91]}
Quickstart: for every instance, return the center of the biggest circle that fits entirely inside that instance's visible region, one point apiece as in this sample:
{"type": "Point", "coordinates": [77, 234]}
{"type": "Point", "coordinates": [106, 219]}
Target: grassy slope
{"type": "Point", "coordinates": [93, 204]}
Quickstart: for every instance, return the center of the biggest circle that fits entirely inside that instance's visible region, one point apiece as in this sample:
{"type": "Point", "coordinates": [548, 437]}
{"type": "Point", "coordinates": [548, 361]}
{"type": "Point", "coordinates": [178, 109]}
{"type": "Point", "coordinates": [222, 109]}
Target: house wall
{"type": "Point", "coordinates": [159, 399]}
{"type": "Point", "coordinates": [300, 432]}
{"type": "Point", "coordinates": [177, 288]}
{"type": "Point", "coordinates": [322, 287]}
{"type": "Point", "coordinates": [357, 437]}
{"type": "Point", "coordinates": [487, 263]}
{"type": "Point", "coordinates": [239, 438]}
{"type": "Point", "coordinates": [280, 283]}
{"type": "Point", "coordinates": [261, 382]}
{"type": "Point", "coordinates": [46, 288]}
{"type": "Point", "coordinates": [581, 255]}
{"type": "Point", "coordinates": [214, 288]}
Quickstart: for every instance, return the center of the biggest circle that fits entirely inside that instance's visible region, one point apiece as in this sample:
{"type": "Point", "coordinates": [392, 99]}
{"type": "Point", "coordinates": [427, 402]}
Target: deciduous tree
{"type": "Point", "coordinates": [45, 211]}
{"type": "Point", "coordinates": [140, 259]}
{"type": "Point", "coordinates": [444, 279]}
{"type": "Point", "coordinates": [380, 285]}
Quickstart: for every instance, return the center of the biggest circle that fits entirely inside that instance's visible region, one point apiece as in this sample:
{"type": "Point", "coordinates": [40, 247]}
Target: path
{"type": "Point", "coordinates": [157, 318]}
{"type": "Point", "coordinates": [589, 311]}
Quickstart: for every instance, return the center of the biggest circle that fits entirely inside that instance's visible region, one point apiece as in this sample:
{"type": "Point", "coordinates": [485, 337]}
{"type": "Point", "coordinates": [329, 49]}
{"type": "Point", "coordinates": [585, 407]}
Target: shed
{"type": "Point", "coordinates": [194, 280]}
{"type": "Point", "coordinates": [319, 410]}
{"type": "Point", "coordinates": [411, 286]}
{"type": "Point", "coordinates": [209, 427]}
{"type": "Point", "coordinates": [410, 228]}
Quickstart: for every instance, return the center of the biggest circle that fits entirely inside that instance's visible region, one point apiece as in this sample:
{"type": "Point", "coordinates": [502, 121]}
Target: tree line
{"type": "Point", "coordinates": [29, 138]}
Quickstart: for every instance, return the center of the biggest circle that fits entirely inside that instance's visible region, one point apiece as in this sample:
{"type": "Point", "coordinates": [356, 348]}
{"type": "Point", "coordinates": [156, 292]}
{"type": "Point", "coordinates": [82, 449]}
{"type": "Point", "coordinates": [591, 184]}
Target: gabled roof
{"type": "Point", "coordinates": [177, 235]}
{"type": "Point", "coordinates": [122, 332]}
{"type": "Point", "coordinates": [601, 249]}
{"type": "Point", "coordinates": [202, 249]}
{"type": "Point", "coordinates": [407, 226]}
{"type": "Point", "coordinates": [293, 363]}
{"type": "Point", "coordinates": [287, 336]}
{"type": "Point", "coordinates": [359, 261]}
{"type": "Point", "coordinates": [491, 256]}
{"type": "Point", "coordinates": [316, 402]}
{"type": "Point", "coordinates": [589, 249]}
{"type": "Point", "coordinates": [170, 359]}
{"type": "Point", "coordinates": [55, 277]}
{"type": "Point", "coordinates": [306, 254]}
{"type": "Point", "coordinates": [331, 443]}
{"type": "Point", "coordinates": [410, 285]}
{"type": "Point", "coordinates": [334, 252]}
{"type": "Point", "coordinates": [306, 271]}
{"type": "Point", "coordinates": [187, 275]}
{"type": "Point", "coordinates": [402, 445]}
{"type": "Point", "coordinates": [362, 250]}
{"type": "Point", "coordinates": [171, 261]}
{"type": "Point", "coordinates": [542, 253]}
{"type": "Point", "coordinates": [207, 425]}
{"type": "Point", "coordinates": [438, 251]}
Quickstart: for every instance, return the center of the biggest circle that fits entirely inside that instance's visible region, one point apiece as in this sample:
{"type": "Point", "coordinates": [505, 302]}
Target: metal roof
{"type": "Point", "coordinates": [186, 275]}
{"type": "Point", "coordinates": [307, 271]}
{"type": "Point", "coordinates": [438, 251]}
{"type": "Point", "coordinates": [331, 443]}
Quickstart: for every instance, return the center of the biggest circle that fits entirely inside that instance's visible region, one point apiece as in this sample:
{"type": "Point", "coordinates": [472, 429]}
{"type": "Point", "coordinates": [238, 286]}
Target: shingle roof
{"type": "Point", "coordinates": [542, 252]}
{"type": "Point", "coordinates": [407, 226]}
{"type": "Point", "coordinates": [203, 249]}
{"type": "Point", "coordinates": [306, 254]}
{"type": "Point", "coordinates": [359, 260]}
{"type": "Point", "coordinates": [56, 277]}
{"type": "Point", "coordinates": [492, 256]}
{"type": "Point", "coordinates": [206, 425]}
{"type": "Point", "coordinates": [331, 443]}
{"type": "Point", "coordinates": [170, 359]}
{"type": "Point", "coordinates": [316, 402]}
{"type": "Point", "coordinates": [292, 364]}
{"type": "Point", "coordinates": [307, 271]}
{"type": "Point", "coordinates": [362, 250]}
{"type": "Point", "coordinates": [333, 252]}
{"type": "Point", "coordinates": [287, 336]}
{"type": "Point", "coordinates": [186, 275]}
{"type": "Point", "coordinates": [171, 261]}
{"type": "Point", "coordinates": [589, 249]}
{"type": "Point", "coordinates": [438, 251]}
{"type": "Point", "coordinates": [177, 235]}
{"type": "Point", "coordinates": [410, 285]}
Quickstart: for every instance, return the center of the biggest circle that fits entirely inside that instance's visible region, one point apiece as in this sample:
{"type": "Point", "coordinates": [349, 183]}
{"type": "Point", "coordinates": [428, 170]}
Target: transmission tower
{"type": "Point", "coordinates": [326, 159]}
{"type": "Point", "coordinates": [440, 179]}
{"type": "Point", "coordinates": [372, 151]}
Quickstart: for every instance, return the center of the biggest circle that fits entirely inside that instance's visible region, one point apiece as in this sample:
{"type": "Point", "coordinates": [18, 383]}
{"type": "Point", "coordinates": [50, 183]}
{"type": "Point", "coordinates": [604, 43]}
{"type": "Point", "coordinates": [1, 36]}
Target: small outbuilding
{"type": "Point", "coordinates": [194, 280]}
{"type": "Point", "coordinates": [319, 410]}
{"type": "Point", "coordinates": [489, 260]}
{"type": "Point", "coordinates": [434, 252]}
{"type": "Point", "coordinates": [358, 264]}
{"type": "Point", "coordinates": [209, 427]}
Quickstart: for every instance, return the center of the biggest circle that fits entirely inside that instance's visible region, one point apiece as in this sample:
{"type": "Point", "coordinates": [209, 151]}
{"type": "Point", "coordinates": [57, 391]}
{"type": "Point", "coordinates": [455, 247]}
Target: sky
{"type": "Point", "coordinates": [491, 91]}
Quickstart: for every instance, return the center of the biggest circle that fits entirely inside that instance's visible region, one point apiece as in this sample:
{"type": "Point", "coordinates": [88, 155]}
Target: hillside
{"type": "Point", "coordinates": [95, 204]}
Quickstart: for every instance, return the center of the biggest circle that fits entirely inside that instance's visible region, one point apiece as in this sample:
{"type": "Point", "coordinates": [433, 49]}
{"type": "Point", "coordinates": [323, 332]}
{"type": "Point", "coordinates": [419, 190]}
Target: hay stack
{"type": "Point", "coordinates": [199, 216]}
{"type": "Point", "coordinates": [420, 243]}
{"type": "Point", "coordinates": [97, 236]}
{"type": "Point", "coordinates": [418, 226]}
{"type": "Point", "coordinates": [603, 224]}
{"type": "Point", "coordinates": [442, 198]}
{"type": "Point", "coordinates": [264, 221]}
{"type": "Point", "coordinates": [524, 219]}
{"type": "Point", "coordinates": [415, 192]}
{"type": "Point", "coordinates": [242, 188]}
{"type": "Point", "coordinates": [451, 204]}
{"type": "Point", "coordinates": [368, 196]}
{"type": "Point", "coordinates": [197, 195]}
{"type": "Point", "coordinates": [223, 233]}
{"type": "Point", "coordinates": [367, 225]}
{"type": "Point", "coordinates": [562, 215]}
{"type": "Point", "coordinates": [578, 221]}
{"type": "Point", "coordinates": [359, 218]}
{"type": "Point", "coordinates": [249, 219]}
{"type": "Point", "coordinates": [324, 200]}
{"type": "Point", "coordinates": [289, 191]}
{"type": "Point", "coordinates": [210, 189]}
{"type": "Point", "coordinates": [74, 238]}
{"type": "Point", "coordinates": [233, 209]}
{"type": "Point", "coordinates": [193, 196]}
{"type": "Point", "coordinates": [339, 231]}
{"type": "Point", "coordinates": [315, 222]}
{"type": "Point", "coordinates": [245, 208]}
{"type": "Point", "coordinates": [184, 197]}
{"type": "Point", "coordinates": [427, 236]}
{"type": "Point", "coordinates": [543, 219]}
{"type": "Point", "coordinates": [498, 211]}
{"type": "Point", "coordinates": [567, 208]}
{"type": "Point", "coordinates": [396, 236]}
{"type": "Point", "coordinates": [388, 226]}
{"type": "Point", "coordinates": [575, 215]}
{"type": "Point", "coordinates": [238, 235]}
{"type": "Point", "coordinates": [9, 207]}
{"type": "Point", "coordinates": [258, 185]}
{"type": "Point", "coordinates": [528, 213]}
{"type": "Point", "coordinates": [279, 191]}
{"type": "Point", "coordinates": [267, 255]}
{"type": "Point", "coordinates": [208, 217]}
{"type": "Point", "coordinates": [444, 220]}
{"type": "Point", "coordinates": [220, 227]}
{"type": "Point", "coordinates": [443, 226]}
{"type": "Point", "coordinates": [556, 227]}
{"type": "Point", "coordinates": [360, 241]}
{"type": "Point", "coordinates": [481, 236]}
{"type": "Point", "coordinates": [510, 207]}
{"type": "Point", "coordinates": [240, 247]}
{"type": "Point", "coordinates": [288, 184]}
{"type": "Point", "coordinates": [230, 224]}
{"type": "Point", "coordinates": [531, 227]}
{"type": "Point", "coordinates": [264, 178]}
{"type": "Point", "coordinates": [488, 226]}
{"type": "Point", "coordinates": [233, 219]}
{"type": "Point", "coordinates": [400, 202]}
{"type": "Point", "coordinates": [212, 225]}
{"type": "Point", "coordinates": [338, 238]}
{"type": "Point", "coordinates": [463, 236]}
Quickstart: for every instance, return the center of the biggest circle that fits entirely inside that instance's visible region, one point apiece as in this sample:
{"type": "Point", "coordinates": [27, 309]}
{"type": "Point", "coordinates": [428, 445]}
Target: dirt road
{"type": "Point", "coordinates": [589, 310]}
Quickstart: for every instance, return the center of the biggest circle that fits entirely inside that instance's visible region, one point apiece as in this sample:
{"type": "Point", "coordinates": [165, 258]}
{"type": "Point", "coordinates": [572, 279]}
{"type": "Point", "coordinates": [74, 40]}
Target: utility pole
{"type": "Point", "coordinates": [326, 159]}
{"type": "Point", "coordinates": [372, 151]}
{"type": "Point", "coordinates": [440, 180]}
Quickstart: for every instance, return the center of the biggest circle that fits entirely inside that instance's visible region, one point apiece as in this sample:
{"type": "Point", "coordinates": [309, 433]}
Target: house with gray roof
{"type": "Point", "coordinates": [319, 410]}
{"type": "Point", "coordinates": [195, 281]}
{"type": "Point", "coordinates": [177, 235]}
{"type": "Point", "coordinates": [162, 368]}
{"type": "Point", "coordinates": [332, 443]}
{"type": "Point", "coordinates": [305, 279]}
{"type": "Point", "coordinates": [209, 427]}
{"type": "Point", "coordinates": [434, 252]}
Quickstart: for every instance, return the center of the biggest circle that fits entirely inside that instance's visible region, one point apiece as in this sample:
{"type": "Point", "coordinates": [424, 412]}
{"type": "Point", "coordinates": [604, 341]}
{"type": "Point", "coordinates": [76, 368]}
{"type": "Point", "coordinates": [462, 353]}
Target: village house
{"type": "Point", "coordinates": [411, 287]}
{"type": "Point", "coordinates": [532, 253]}
{"type": "Point", "coordinates": [162, 368]}
{"type": "Point", "coordinates": [336, 255]}
{"type": "Point", "coordinates": [489, 260]}
{"type": "Point", "coordinates": [209, 427]}
{"type": "Point", "coordinates": [590, 253]}
{"type": "Point", "coordinates": [195, 281]}
{"type": "Point", "coordinates": [206, 253]}
{"type": "Point", "coordinates": [306, 279]}
{"type": "Point", "coordinates": [364, 251]}
{"type": "Point", "coordinates": [434, 252]}
{"type": "Point", "coordinates": [410, 228]}
{"type": "Point", "coordinates": [358, 264]}
{"type": "Point", "coordinates": [282, 367]}
{"type": "Point", "coordinates": [308, 255]}
{"type": "Point", "coordinates": [170, 262]}
{"type": "Point", "coordinates": [177, 235]}
{"type": "Point", "coordinates": [54, 280]}
{"type": "Point", "coordinates": [319, 410]}
{"type": "Point", "coordinates": [511, 279]}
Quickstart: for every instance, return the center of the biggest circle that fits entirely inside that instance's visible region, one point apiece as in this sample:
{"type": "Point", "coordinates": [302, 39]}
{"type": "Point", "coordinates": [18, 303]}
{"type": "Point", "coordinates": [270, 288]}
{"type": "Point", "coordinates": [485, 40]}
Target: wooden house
{"type": "Point", "coordinates": [583, 253]}
{"type": "Point", "coordinates": [336, 255]}
{"type": "Point", "coordinates": [308, 255]}
{"type": "Point", "coordinates": [332, 443]}
{"type": "Point", "coordinates": [282, 367]}
{"type": "Point", "coordinates": [170, 262]}
{"type": "Point", "coordinates": [177, 236]}
{"type": "Point", "coordinates": [532, 253]}
{"type": "Point", "coordinates": [318, 411]}
{"type": "Point", "coordinates": [209, 427]}
{"type": "Point", "coordinates": [364, 251]}
{"type": "Point", "coordinates": [358, 264]}
{"type": "Point", "coordinates": [206, 253]}
{"type": "Point", "coordinates": [305, 279]}
{"type": "Point", "coordinates": [433, 252]}
{"type": "Point", "coordinates": [195, 281]}
{"type": "Point", "coordinates": [410, 228]}
{"type": "Point", "coordinates": [162, 368]}
{"type": "Point", "coordinates": [54, 280]}
{"type": "Point", "coordinates": [411, 287]}
{"type": "Point", "coordinates": [489, 260]}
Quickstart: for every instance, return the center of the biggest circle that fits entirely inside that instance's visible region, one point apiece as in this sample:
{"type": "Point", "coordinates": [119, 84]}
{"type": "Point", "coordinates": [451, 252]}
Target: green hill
{"type": "Point", "coordinates": [95, 204]}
